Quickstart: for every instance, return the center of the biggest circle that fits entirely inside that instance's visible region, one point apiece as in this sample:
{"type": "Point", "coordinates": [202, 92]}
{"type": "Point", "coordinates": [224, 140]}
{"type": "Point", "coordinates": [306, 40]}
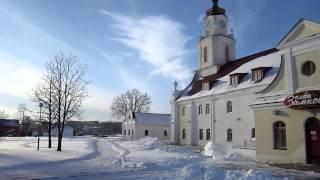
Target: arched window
{"type": "Point", "coordinates": [208, 135]}
{"type": "Point", "coordinates": [229, 106]}
{"type": "Point", "coordinates": [201, 134]}
{"type": "Point", "coordinates": [229, 135]}
{"type": "Point", "coordinates": [227, 53]}
{"type": "Point", "coordinates": [253, 133]}
{"type": "Point", "coordinates": [183, 133]}
{"type": "Point", "coordinates": [205, 54]}
{"type": "Point", "coordinates": [129, 132]}
{"type": "Point", "coordinates": [279, 135]}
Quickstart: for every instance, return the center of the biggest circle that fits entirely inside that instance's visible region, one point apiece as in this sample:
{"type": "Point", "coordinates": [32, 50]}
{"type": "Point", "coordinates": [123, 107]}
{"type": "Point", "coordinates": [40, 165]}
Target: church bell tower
{"type": "Point", "coordinates": [217, 45]}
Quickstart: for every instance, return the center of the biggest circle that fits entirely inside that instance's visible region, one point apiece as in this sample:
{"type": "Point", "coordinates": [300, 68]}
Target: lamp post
{"type": "Point", "coordinates": [40, 105]}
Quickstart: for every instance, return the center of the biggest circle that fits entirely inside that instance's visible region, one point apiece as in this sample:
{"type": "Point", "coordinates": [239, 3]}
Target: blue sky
{"type": "Point", "coordinates": [144, 44]}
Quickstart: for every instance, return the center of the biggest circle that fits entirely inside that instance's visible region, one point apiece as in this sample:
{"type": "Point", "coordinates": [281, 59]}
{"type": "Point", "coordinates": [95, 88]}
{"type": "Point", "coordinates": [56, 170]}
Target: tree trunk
{"type": "Point", "coordinates": [49, 135]}
{"type": "Point", "coordinates": [59, 143]}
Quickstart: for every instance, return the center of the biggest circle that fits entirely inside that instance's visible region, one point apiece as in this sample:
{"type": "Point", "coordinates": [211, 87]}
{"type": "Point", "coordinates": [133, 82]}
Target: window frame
{"type": "Point", "coordinates": [205, 54]}
{"type": "Point", "coordinates": [279, 135]}
{"type": "Point", "coordinates": [208, 134]}
{"type": "Point", "coordinates": [229, 107]}
{"type": "Point", "coordinates": [200, 109]}
{"type": "Point", "coordinates": [227, 53]}
{"type": "Point", "coordinates": [312, 68]}
{"type": "Point", "coordinates": [146, 132]}
{"type": "Point", "coordinates": [234, 80]}
{"type": "Point", "coordinates": [200, 134]}
{"type": "Point", "coordinates": [229, 135]}
{"type": "Point", "coordinates": [183, 133]}
{"type": "Point", "coordinates": [207, 108]}
{"type": "Point", "coordinates": [257, 75]}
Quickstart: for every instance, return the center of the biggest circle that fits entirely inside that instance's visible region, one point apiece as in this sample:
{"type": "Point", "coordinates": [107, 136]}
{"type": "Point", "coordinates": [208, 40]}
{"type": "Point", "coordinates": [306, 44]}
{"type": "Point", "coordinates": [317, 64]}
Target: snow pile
{"type": "Point", "coordinates": [227, 153]}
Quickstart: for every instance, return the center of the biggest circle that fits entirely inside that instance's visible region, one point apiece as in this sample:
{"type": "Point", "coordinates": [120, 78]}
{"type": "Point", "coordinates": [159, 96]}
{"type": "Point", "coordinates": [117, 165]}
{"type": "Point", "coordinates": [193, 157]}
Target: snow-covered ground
{"type": "Point", "coordinates": [110, 158]}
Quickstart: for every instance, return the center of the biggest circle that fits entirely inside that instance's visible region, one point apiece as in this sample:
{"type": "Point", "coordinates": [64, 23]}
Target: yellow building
{"type": "Point", "coordinates": [287, 112]}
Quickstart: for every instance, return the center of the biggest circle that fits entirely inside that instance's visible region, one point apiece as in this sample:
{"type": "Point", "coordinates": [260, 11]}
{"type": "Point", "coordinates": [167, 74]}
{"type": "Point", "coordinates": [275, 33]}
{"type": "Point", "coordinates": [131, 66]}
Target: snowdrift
{"type": "Point", "coordinates": [228, 153]}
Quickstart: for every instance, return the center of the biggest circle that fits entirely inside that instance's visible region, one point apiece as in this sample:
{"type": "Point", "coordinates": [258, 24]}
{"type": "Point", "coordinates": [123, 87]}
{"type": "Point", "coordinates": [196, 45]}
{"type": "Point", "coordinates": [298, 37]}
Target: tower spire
{"type": "Point", "coordinates": [216, 10]}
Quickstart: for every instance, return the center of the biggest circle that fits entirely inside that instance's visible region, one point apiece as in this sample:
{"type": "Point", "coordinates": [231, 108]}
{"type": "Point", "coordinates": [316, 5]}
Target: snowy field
{"type": "Point", "coordinates": [110, 158]}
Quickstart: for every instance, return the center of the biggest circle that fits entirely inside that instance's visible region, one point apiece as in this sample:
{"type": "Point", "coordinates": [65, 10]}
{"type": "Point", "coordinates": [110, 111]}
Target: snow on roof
{"type": "Point", "coordinates": [152, 118]}
{"type": "Point", "coordinates": [222, 85]}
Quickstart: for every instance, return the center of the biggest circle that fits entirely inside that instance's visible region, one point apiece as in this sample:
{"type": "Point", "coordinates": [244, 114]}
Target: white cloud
{"type": "Point", "coordinates": [159, 41]}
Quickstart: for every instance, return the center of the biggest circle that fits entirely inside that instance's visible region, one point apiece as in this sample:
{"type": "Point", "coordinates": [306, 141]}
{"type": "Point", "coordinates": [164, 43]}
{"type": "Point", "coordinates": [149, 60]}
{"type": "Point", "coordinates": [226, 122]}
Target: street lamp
{"type": "Point", "coordinates": [40, 105]}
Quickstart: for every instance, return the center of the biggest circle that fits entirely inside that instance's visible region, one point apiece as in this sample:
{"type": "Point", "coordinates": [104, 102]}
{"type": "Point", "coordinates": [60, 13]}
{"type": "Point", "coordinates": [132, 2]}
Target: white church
{"type": "Point", "coordinates": [215, 105]}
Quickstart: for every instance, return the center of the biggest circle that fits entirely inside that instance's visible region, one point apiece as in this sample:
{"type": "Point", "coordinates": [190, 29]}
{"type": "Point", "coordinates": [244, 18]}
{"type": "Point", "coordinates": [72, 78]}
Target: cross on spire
{"type": "Point", "coordinates": [215, 3]}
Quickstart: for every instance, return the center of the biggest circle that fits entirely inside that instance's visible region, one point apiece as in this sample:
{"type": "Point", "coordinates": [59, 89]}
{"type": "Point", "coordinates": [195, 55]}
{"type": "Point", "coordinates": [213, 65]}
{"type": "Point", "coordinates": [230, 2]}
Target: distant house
{"type": "Point", "coordinates": [9, 127]}
{"type": "Point", "coordinates": [139, 125]}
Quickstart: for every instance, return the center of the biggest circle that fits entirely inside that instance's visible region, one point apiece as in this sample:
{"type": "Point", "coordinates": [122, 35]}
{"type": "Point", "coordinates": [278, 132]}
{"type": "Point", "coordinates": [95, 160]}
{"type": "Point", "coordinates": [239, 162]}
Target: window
{"type": "Point", "coordinates": [227, 53]}
{"type": "Point", "coordinates": [308, 68]}
{"type": "Point", "coordinates": [234, 80]}
{"type": "Point", "coordinates": [183, 133]}
{"type": "Point", "coordinates": [229, 135]}
{"type": "Point", "coordinates": [205, 54]}
{"type": "Point", "coordinates": [229, 107]}
{"type": "Point", "coordinates": [207, 108]}
{"type": "Point", "coordinates": [201, 134]}
{"type": "Point", "coordinates": [183, 111]}
{"type": "Point", "coordinates": [125, 132]}
{"type": "Point", "coordinates": [129, 132]}
{"type": "Point", "coordinates": [165, 133]}
{"type": "Point", "coordinates": [253, 133]}
{"type": "Point", "coordinates": [205, 86]}
{"type": "Point", "coordinates": [257, 75]}
{"type": "Point", "coordinates": [208, 135]}
{"type": "Point", "coordinates": [146, 132]}
{"type": "Point", "coordinates": [279, 136]}
{"type": "Point", "coordinates": [132, 133]}
{"type": "Point", "coordinates": [200, 109]}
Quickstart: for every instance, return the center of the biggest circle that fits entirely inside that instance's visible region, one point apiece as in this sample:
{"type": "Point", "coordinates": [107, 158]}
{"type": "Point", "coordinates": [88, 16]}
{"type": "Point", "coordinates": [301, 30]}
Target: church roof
{"type": "Point", "coordinates": [152, 118]}
{"type": "Point", "coordinates": [196, 85]}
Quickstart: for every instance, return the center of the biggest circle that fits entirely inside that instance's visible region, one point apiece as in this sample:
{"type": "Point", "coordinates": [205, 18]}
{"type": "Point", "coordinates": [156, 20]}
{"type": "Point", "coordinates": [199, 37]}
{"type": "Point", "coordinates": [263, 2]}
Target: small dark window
{"type": "Point", "coordinates": [129, 132]}
{"type": "Point", "coordinates": [183, 133]}
{"type": "Point", "coordinates": [279, 135]}
{"type": "Point", "coordinates": [201, 134]}
{"type": "Point", "coordinates": [200, 109]}
{"type": "Point", "coordinates": [205, 54]}
{"type": "Point", "coordinates": [146, 132]}
{"type": "Point", "coordinates": [125, 132]}
{"type": "Point", "coordinates": [229, 106]}
{"type": "Point", "coordinates": [229, 135]}
{"type": "Point", "coordinates": [165, 133]}
{"type": "Point", "coordinates": [227, 53]}
{"type": "Point", "coordinates": [132, 133]}
{"type": "Point", "coordinates": [308, 68]}
{"type": "Point", "coordinates": [207, 108]}
{"type": "Point", "coordinates": [208, 135]}
{"type": "Point", "coordinates": [253, 133]}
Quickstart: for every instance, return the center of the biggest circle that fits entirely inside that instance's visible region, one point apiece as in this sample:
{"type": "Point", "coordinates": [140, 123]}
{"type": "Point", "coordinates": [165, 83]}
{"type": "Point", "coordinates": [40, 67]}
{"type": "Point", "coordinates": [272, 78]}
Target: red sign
{"type": "Point", "coordinates": [303, 100]}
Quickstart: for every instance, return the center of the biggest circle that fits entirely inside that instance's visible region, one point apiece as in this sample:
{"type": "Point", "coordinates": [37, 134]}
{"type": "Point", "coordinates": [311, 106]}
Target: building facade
{"type": "Point", "coordinates": [139, 125]}
{"type": "Point", "coordinates": [215, 105]}
{"type": "Point", "coordinates": [287, 113]}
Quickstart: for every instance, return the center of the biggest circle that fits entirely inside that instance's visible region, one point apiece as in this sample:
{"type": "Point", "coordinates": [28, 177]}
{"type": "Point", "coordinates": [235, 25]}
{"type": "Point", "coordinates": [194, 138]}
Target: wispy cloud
{"type": "Point", "coordinates": [158, 40]}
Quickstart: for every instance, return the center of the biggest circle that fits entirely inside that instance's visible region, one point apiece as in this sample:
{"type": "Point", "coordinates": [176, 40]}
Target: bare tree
{"type": "Point", "coordinates": [133, 100]}
{"type": "Point", "coordinates": [3, 114]}
{"type": "Point", "coordinates": [44, 94]}
{"type": "Point", "coordinates": [69, 90]}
